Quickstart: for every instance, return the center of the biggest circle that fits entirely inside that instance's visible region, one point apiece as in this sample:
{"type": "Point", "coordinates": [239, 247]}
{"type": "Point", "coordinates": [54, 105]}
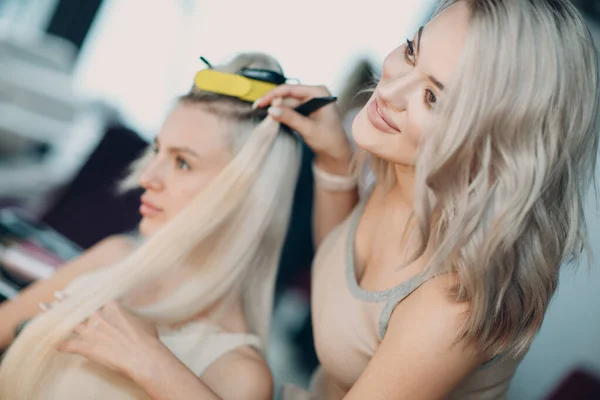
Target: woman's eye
{"type": "Point", "coordinates": [409, 52]}
{"type": "Point", "coordinates": [430, 98]}
{"type": "Point", "coordinates": [182, 164]}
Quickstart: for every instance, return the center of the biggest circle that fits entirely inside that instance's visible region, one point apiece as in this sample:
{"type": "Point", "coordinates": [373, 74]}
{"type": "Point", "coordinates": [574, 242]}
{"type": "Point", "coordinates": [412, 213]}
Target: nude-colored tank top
{"type": "Point", "coordinates": [349, 324]}
{"type": "Point", "coordinates": [197, 345]}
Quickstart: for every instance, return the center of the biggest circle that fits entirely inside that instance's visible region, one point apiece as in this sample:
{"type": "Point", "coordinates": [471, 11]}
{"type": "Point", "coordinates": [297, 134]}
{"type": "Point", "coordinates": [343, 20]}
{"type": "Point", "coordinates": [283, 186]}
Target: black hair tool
{"type": "Point", "coordinates": [314, 104]}
{"type": "Point", "coordinates": [309, 107]}
{"type": "Point", "coordinates": [264, 75]}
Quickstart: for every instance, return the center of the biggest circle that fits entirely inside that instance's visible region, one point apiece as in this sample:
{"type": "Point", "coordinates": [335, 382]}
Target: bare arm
{"type": "Point", "coordinates": [418, 358]}
{"type": "Point", "coordinates": [331, 208]}
{"type": "Point", "coordinates": [166, 378]}
{"type": "Point", "coordinates": [26, 304]}
{"type": "Point", "coordinates": [324, 133]}
{"type": "Point", "coordinates": [235, 376]}
{"type": "Point", "coordinates": [118, 340]}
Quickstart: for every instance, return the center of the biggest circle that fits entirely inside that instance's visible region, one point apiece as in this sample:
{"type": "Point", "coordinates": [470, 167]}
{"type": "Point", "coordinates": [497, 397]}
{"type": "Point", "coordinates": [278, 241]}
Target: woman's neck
{"type": "Point", "coordinates": [403, 190]}
{"type": "Point", "coordinates": [227, 312]}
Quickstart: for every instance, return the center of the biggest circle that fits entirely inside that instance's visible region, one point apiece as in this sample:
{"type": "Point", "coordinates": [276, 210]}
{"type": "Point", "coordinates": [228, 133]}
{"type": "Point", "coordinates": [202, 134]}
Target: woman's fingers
{"type": "Point", "coordinates": [299, 92]}
{"type": "Point", "coordinates": [73, 346]}
{"type": "Point", "coordinates": [88, 324]}
{"type": "Point", "coordinates": [59, 295]}
{"type": "Point", "coordinates": [291, 118]}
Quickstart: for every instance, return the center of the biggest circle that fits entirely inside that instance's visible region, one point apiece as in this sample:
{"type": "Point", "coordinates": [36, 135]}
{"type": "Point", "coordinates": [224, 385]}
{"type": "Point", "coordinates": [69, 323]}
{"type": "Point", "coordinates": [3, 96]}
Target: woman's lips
{"type": "Point", "coordinates": [148, 209]}
{"type": "Point", "coordinates": [379, 120]}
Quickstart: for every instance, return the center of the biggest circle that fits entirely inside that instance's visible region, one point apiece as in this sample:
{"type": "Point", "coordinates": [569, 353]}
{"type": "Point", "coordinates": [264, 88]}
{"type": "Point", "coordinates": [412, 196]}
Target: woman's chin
{"type": "Point", "coordinates": [391, 148]}
{"type": "Point", "coordinates": [369, 142]}
{"type": "Point", "coordinates": [366, 136]}
{"type": "Point", "coordinates": [147, 227]}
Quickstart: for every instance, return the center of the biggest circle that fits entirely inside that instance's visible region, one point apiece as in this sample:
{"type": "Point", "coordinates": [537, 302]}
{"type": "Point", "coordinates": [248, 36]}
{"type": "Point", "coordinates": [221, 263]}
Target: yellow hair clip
{"type": "Point", "coordinates": [232, 85]}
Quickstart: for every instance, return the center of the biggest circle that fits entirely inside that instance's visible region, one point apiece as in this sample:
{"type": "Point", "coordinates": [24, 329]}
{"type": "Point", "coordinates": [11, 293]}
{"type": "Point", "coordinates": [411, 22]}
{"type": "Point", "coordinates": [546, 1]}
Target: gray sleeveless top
{"type": "Point", "coordinates": [350, 322]}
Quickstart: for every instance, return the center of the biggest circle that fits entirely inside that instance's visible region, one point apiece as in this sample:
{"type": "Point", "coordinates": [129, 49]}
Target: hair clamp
{"type": "Point", "coordinates": [250, 84]}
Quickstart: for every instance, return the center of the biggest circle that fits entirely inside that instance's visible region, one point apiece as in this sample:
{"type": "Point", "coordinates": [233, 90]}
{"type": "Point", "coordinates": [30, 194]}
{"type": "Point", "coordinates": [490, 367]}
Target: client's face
{"type": "Point", "coordinates": [190, 150]}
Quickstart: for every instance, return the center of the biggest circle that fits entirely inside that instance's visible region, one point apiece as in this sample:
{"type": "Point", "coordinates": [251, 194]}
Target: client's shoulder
{"type": "Point", "coordinates": [240, 374]}
{"type": "Point", "coordinates": [107, 251]}
{"type": "Point", "coordinates": [119, 245]}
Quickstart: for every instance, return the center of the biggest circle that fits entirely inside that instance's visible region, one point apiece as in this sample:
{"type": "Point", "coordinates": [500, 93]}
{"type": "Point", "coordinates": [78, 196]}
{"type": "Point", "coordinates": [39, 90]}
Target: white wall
{"type": "Point", "coordinates": [140, 54]}
{"type": "Point", "coordinates": [570, 336]}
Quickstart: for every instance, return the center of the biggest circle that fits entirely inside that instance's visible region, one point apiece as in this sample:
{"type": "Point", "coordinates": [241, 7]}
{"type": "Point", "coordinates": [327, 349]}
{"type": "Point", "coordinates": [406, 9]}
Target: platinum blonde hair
{"type": "Point", "coordinates": [237, 223]}
{"type": "Point", "coordinates": [502, 175]}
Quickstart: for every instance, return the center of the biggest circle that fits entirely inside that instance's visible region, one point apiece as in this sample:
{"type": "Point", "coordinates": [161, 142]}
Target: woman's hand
{"type": "Point", "coordinates": [116, 339]}
{"type": "Point", "coordinates": [323, 131]}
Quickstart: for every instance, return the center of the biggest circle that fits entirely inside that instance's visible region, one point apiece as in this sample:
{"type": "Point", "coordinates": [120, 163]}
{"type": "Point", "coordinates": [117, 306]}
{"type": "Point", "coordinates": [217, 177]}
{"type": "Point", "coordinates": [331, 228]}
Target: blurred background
{"type": "Point", "coordinates": [84, 85]}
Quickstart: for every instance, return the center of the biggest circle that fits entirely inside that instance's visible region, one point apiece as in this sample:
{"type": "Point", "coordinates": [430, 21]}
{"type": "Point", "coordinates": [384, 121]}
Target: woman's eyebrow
{"type": "Point", "coordinates": [419, 34]}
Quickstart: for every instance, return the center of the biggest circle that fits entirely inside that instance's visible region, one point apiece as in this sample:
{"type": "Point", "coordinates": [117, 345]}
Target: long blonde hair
{"type": "Point", "coordinates": [238, 222]}
{"type": "Point", "coordinates": [502, 176]}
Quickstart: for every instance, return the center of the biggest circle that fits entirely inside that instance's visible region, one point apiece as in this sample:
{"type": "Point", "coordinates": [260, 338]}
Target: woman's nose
{"type": "Point", "coordinates": [150, 178]}
{"type": "Point", "coordinates": [395, 91]}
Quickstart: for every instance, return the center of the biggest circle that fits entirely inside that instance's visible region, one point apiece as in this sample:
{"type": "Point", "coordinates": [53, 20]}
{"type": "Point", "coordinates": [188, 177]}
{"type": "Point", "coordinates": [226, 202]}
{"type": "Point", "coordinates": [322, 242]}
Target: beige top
{"type": "Point", "coordinates": [350, 322]}
{"type": "Point", "coordinates": [197, 345]}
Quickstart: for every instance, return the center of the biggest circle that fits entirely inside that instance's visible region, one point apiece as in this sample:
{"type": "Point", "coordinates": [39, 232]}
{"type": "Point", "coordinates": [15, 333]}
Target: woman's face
{"type": "Point", "coordinates": [414, 75]}
{"type": "Point", "coordinates": [191, 148]}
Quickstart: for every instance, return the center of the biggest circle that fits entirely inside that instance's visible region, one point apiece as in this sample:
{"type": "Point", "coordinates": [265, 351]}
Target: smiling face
{"type": "Point", "coordinates": [190, 150]}
{"type": "Point", "coordinates": [414, 76]}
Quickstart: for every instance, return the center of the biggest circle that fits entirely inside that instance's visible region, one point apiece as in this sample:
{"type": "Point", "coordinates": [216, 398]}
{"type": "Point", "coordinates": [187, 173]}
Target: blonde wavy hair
{"type": "Point", "coordinates": [502, 176]}
{"type": "Point", "coordinates": [238, 223]}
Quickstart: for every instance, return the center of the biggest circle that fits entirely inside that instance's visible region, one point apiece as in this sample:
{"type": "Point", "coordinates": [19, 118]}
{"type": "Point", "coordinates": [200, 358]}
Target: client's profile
{"type": "Point", "coordinates": [218, 183]}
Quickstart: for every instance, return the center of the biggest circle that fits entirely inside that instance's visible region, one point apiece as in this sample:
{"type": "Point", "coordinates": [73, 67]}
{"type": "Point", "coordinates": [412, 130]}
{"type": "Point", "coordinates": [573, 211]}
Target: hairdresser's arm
{"type": "Point", "coordinates": [27, 304]}
{"type": "Point", "coordinates": [324, 133]}
{"type": "Point", "coordinates": [330, 208]}
{"type": "Point", "coordinates": [424, 362]}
